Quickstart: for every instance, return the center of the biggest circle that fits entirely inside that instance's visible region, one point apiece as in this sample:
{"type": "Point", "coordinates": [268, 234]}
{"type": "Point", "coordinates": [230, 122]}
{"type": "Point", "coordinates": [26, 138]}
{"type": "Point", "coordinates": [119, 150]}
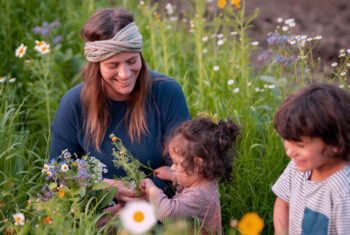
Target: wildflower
{"type": "Point", "coordinates": [343, 74]}
{"type": "Point", "coordinates": [285, 28]}
{"type": "Point", "coordinates": [173, 19]}
{"type": "Point", "coordinates": [348, 64]}
{"type": "Point", "coordinates": [61, 192]}
{"type": "Point", "coordinates": [341, 86]}
{"type": "Point", "coordinates": [46, 27]}
{"type": "Point", "coordinates": [334, 64]}
{"type": "Point", "coordinates": [38, 45]}
{"type": "Point", "coordinates": [230, 82]}
{"type": "Point", "coordinates": [271, 86]}
{"type": "Point", "coordinates": [318, 37]}
{"type": "Point", "coordinates": [221, 3]}
{"type": "Point", "coordinates": [169, 9]}
{"type": "Point", "coordinates": [236, 3]}
{"type": "Point", "coordinates": [341, 50]}
{"type": "Point", "coordinates": [47, 220]}
{"type": "Point", "coordinates": [156, 15]}
{"type": "Point", "coordinates": [233, 33]}
{"type": "Point", "coordinates": [249, 83]}
{"type": "Point", "coordinates": [236, 90]}
{"type": "Point", "coordinates": [255, 43]}
{"type": "Point", "coordinates": [342, 54]}
{"type": "Point", "coordinates": [220, 42]}
{"type": "Point", "coordinates": [57, 39]}
{"type": "Point", "coordinates": [204, 39]}
{"type": "Point", "coordinates": [205, 50]}
{"type": "Point", "coordinates": [30, 202]}
{"type": "Point", "coordinates": [37, 226]}
{"type": "Point", "coordinates": [12, 80]}
{"type": "Point", "coordinates": [279, 20]}
{"type": "Point", "coordinates": [216, 68]}
{"type": "Point", "coordinates": [257, 89]}
{"type": "Point", "coordinates": [309, 39]}
{"type": "Point", "coordinates": [114, 138]}
{"type": "Point", "coordinates": [292, 42]}
{"type": "Point", "coordinates": [348, 51]}
{"type": "Point", "coordinates": [209, 1]}
{"type": "Point", "coordinates": [2, 79]}
{"type": "Point", "coordinates": [138, 217]}
{"type": "Point", "coordinates": [220, 35]}
{"type": "Point", "coordinates": [64, 167]}
{"type": "Point", "coordinates": [19, 219]}
{"type": "Point", "coordinates": [72, 210]}
{"type": "Point", "coordinates": [250, 224]}
{"type": "Point", "coordinates": [45, 49]}
{"type": "Point", "coordinates": [253, 109]}
{"type": "Point", "coordinates": [21, 50]}
{"type": "Point", "coordinates": [27, 61]}
{"type": "Point", "coordinates": [234, 222]}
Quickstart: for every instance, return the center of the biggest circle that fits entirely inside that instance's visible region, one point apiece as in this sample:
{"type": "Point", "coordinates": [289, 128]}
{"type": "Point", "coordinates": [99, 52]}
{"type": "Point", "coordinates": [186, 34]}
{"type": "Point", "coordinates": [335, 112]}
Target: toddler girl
{"type": "Point", "coordinates": [201, 152]}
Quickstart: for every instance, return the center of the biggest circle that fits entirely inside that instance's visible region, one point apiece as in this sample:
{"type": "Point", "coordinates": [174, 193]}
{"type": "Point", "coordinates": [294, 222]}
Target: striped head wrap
{"type": "Point", "coordinates": [127, 39]}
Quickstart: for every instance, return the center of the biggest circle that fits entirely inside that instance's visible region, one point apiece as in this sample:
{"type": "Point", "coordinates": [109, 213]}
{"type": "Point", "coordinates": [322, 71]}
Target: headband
{"type": "Point", "coordinates": [127, 39]}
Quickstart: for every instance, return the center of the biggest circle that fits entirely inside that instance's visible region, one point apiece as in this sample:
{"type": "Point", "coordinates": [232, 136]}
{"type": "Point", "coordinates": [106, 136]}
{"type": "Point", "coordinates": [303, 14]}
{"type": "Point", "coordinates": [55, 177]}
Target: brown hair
{"type": "Point", "coordinates": [103, 25]}
{"type": "Point", "coordinates": [211, 142]}
{"type": "Point", "coordinates": [319, 110]}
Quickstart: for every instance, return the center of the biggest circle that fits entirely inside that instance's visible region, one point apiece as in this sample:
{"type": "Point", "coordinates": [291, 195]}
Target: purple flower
{"type": "Point", "coordinates": [57, 39]}
{"type": "Point", "coordinates": [46, 27]}
{"type": "Point", "coordinates": [46, 194]}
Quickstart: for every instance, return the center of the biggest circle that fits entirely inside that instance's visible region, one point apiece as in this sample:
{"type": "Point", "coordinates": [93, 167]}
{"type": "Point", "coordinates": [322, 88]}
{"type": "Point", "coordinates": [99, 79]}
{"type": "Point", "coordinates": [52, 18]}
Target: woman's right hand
{"type": "Point", "coordinates": [123, 194]}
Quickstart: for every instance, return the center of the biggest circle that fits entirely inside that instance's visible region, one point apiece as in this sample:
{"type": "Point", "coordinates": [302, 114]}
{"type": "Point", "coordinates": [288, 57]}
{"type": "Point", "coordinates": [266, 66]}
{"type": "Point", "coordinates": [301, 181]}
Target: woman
{"type": "Point", "coordinates": [118, 95]}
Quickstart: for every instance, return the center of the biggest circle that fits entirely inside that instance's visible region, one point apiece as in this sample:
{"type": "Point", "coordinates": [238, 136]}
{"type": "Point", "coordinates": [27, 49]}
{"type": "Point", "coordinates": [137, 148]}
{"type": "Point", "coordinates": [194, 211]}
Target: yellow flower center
{"type": "Point", "coordinates": [44, 48]}
{"type": "Point", "coordinates": [61, 193]}
{"type": "Point", "coordinates": [139, 216]}
{"type": "Point", "coordinates": [39, 44]}
{"type": "Point", "coordinates": [18, 219]}
{"type": "Point", "coordinates": [21, 51]}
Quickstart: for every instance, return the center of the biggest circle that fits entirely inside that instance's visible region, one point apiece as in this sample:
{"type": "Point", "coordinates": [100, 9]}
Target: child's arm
{"type": "Point", "coordinates": [281, 216]}
{"type": "Point", "coordinates": [342, 214]}
{"type": "Point", "coordinates": [164, 173]}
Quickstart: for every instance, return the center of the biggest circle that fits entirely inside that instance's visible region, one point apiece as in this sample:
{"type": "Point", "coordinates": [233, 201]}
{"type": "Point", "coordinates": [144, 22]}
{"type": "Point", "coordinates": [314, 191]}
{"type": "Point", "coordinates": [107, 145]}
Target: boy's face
{"type": "Point", "coordinates": [310, 154]}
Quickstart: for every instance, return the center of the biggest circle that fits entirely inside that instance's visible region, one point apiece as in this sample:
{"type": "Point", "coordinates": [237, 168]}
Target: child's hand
{"type": "Point", "coordinates": [164, 173]}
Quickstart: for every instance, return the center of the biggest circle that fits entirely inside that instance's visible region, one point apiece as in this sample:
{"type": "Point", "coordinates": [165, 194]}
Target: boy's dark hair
{"type": "Point", "coordinates": [318, 110]}
{"type": "Point", "coordinates": [209, 141]}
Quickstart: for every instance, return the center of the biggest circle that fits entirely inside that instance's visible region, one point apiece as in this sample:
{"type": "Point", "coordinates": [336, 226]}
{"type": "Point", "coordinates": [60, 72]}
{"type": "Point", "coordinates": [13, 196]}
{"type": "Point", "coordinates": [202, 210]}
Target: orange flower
{"type": "Point", "coordinates": [30, 202]}
{"type": "Point", "coordinates": [221, 3]}
{"type": "Point", "coordinates": [61, 192]}
{"type": "Point", "coordinates": [114, 138]}
{"type": "Point", "coordinates": [251, 224]}
{"type": "Point", "coordinates": [236, 3]}
{"type": "Point", "coordinates": [47, 220]}
{"type": "Point", "coordinates": [156, 15]}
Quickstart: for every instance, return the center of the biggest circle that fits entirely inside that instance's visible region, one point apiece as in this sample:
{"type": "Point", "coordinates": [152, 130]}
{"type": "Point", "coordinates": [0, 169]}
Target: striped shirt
{"type": "Point", "coordinates": [202, 201]}
{"type": "Point", "coordinates": [315, 207]}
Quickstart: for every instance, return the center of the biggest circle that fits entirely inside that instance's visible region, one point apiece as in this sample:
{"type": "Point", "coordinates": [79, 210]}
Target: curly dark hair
{"type": "Point", "coordinates": [319, 110]}
{"type": "Point", "coordinates": [209, 141]}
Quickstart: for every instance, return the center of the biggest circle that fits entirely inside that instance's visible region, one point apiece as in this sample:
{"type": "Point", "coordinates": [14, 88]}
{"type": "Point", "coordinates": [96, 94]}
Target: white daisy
{"type": "Point", "coordinates": [11, 80]}
{"type": "Point", "coordinates": [285, 28]}
{"type": "Point", "coordinates": [19, 219]}
{"type": "Point", "coordinates": [204, 39]}
{"type": "Point", "coordinates": [236, 90]}
{"type": "Point", "coordinates": [138, 217]}
{"type": "Point", "coordinates": [45, 49]}
{"type": "Point", "coordinates": [341, 86]}
{"type": "Point", "coordinates": [64, 167]}
{"type": "Point", "coordinates": [255, 43]}
{"type": "Point", "coordinates": [205, 50]}
{"type": "Point", "coordinates": [38, 45]}
{"type": "Point", "coordinates": [169, 9]}
{"type": "Point", "coordinates": [2, 79]}
{"type": "Point", "coordinates": [220, 42]}
{"type": "Point", "coordinates": [334, 64]}
{"type": "Point", "coordinates": [21, 50]}
{"type": "Point", "coordinates": [216, 68]}
{"type": "Point", "coordinates": [230, 82]}
{"type": "Point", "coordinates": [279, 20]}
{"type": "Point", "coordinates": [173, 19]}
{"type": "Point", "coordinates": [233, 33]}
{"type": "Point", "coordinates": [220, 35]}
{"type": "Point", "coordinates": [343, 73]}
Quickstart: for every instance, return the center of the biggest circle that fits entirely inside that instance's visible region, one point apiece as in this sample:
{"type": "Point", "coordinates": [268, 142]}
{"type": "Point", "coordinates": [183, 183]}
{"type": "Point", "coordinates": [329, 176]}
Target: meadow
{"type": "Point", "coordinates": [208, 52]}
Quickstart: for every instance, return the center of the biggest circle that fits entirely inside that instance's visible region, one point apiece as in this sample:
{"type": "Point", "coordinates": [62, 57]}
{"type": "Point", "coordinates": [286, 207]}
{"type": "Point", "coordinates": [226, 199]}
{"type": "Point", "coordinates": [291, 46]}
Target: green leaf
{"type": "Point", "coordinates": [53, 186]}
{"type": "Point", "coordinates": [109, 194]}
{"type": "Point", "coordinates": [269, 79]}
{"type": "Point", "coordinates": [100, 185]}
{"type": "Point", "coordinates": [82, 192]}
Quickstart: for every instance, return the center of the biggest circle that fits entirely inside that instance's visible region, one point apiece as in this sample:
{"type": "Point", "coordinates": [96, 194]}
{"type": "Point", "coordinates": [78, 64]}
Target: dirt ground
{"type": "Point", "coordinates": [329, 18]}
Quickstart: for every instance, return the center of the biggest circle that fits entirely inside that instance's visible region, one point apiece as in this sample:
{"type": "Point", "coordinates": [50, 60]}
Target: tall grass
{"type": "Point", "coordinates": [187, 49]}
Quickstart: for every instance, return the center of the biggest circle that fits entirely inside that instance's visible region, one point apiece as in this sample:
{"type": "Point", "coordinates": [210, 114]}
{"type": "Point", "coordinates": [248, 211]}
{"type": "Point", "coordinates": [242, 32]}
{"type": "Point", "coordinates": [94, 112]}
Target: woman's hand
{"type": "Point", "coordinates": [147, 185]}
{"type": "Point", "coordinates": [164, 173]}
{"type": "Point", "coordinates": [123, 194]}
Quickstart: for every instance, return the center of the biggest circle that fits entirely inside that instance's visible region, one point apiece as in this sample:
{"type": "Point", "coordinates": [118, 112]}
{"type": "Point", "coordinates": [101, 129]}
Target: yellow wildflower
{"type": "Point", "coordinates": [251, 224]}
{"type": "Point", "coordinates": [221, 3]}
{"type": "Point", "coordinates": [61, 192]}
{"type": "Point", "coordinates": [236, 3]}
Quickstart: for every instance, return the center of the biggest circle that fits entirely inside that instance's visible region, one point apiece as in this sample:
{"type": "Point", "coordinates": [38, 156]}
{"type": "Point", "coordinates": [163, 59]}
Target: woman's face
{"type": "Point", "coordinates": [119, 74]}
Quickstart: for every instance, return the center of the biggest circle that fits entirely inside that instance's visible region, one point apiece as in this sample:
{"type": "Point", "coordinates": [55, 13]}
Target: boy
{"type": "Point", "coordinates": [313, 193]}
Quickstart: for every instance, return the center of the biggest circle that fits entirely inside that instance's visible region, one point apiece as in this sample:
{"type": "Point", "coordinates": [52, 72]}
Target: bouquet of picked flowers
{"type": "Point", "coordinates": [79, 178]}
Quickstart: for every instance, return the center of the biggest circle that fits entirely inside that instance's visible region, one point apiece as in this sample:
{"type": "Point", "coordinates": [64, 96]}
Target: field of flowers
{"type": "Point", "coordinates": [208, 54]}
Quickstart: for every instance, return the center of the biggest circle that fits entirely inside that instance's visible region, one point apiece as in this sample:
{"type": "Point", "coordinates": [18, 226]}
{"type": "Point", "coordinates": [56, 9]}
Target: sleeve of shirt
{"type": "Point", "coordinates": [342, 215]}
{"type": "Point", "coordinates": [64, 129]}
{"type": "Point", "coordinates": [283, 185]}
{"type": "Point", "coordinates": [186, 205]}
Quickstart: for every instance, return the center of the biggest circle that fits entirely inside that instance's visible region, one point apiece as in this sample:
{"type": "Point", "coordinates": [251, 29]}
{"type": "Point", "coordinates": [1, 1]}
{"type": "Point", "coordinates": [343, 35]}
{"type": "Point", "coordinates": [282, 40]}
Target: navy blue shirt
{"type": "Point", "coordinates": [164, 111]}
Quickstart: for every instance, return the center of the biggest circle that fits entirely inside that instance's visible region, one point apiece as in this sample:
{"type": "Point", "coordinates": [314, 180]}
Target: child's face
{"type": "Point", "coordinates": [310, 153]}
{"type": "Point", "coordinates": [182, 177]}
